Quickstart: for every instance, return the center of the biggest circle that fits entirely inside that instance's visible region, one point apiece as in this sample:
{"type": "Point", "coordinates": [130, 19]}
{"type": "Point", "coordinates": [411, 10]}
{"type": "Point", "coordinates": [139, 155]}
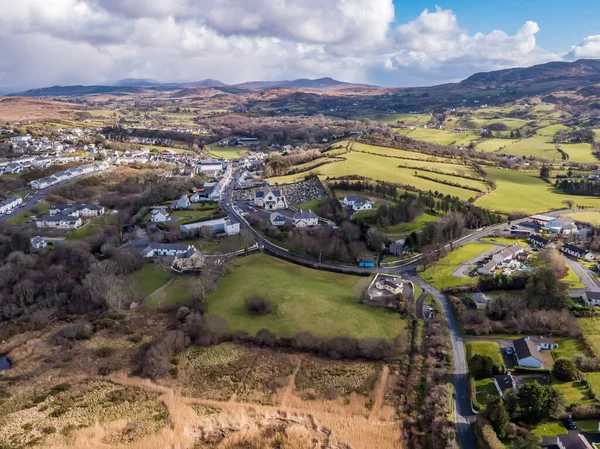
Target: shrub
{"type": "Point", "coordinates": [332, 393]}
{"type": "Point", "coordinates": [77, 331]}
{"type": "Point", "coordinates": [481, 366]}
{"type": "Point", "coordinates": [182, 313]}
{"type": "Point", "coordinates": [157, 360]}
{"type": "Point", "coordinates": [565, 370]}
{"type": "Point", "coordinates": [258, 305]}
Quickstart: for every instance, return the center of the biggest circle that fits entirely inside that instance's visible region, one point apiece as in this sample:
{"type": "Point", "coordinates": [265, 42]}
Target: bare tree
{"type": "Point", "coordinates": [247, 238]}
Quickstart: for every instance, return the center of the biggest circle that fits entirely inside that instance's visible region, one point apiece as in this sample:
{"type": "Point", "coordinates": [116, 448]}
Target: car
{"type": "Point", "coordinates": [509, 351]}
{"type": "Point", "coordinates": [514, 227]}
{"type": "Point", "coordinates": [570, 424]}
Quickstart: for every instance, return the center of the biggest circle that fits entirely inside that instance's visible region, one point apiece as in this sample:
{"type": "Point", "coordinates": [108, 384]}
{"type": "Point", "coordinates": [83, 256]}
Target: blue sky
{"type": "Point", "coordinates": [562, 22]}
{"type": "Point", "coordinates": [383, 42]}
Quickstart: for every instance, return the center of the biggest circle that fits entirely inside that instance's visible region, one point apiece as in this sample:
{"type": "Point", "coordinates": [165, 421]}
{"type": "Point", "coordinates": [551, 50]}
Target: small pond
{"type": "Point", "coordinates": [4, 363]}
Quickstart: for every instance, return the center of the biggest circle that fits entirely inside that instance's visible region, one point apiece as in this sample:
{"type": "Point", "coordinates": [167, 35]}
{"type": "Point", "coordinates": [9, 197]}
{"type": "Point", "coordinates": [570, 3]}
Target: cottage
{"type": "Point", "coordinates": [393, 285]}
{"type": "Point", "coordinates": [538, 241]}
{"type": "Point", "coordinates": [576, 251]}
{"type": "Point", "coordinates": [544, 343]}
{"type": "Point", "coordinates": [487, 269]}
{"type": "Point", "coordinates": [573, 441]}
{"type": "Point", "coordinates": [270, 199]}
{"type": "Point", "coordinates": [305, 219]}
{"type": "Point", "coordinates": [591, 299]}
{"type": "Point", "coordinates": [37, 242]}
{"type": "Point", "coordinates": [166, 249]}
{"type": "Point", "coordinates": [191, 260]}
{"type": "Point", "coordinates": [277, 219]}
{"type": "Point", "coordinates": [362, 205]}
{"type": "Point", "coordinates": [509, 253]}
{"type": "Point", "coordinates": [527, 351]}
{"type": "Point", "coordinates": [10, 204]}
{"type": "Point", "coordinates": [507, 382]}
{"type": "Point", "coordinates": [77, 210]}
{"type": "Point", "coordinates": [397, 247]}
{"type": "Point", "coordinates": [159, 216]}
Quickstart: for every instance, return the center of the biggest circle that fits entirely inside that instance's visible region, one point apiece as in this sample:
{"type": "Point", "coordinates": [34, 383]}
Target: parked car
{"type": "Point", "coordinates": [570, 424]}
{"type": "Point", "coordinates": [509, 351]}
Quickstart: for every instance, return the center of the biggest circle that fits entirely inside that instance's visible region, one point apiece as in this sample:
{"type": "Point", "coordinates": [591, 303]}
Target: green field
{"type": "Point", "coordinates": [147, 279]}
{"type": "Point", "coordinates": [300, 301]}
{"type": "Point", "coordinates": [590, 331]}
{"type": "Point", "coordinates": [592, 218]}
{"type": "Point", "coordinates": [526, 192]}
{"type": "Point", "coordinates": [574, 392]}
{"type": "Point", "coordinates": [568, 348]}
{"type": "Point", "coordinates": [549, 429]}
{"type": "Point", "coordinates": [492, 145]}
{"type": "Point", "coordinates": [580, 152]}
{"type": "Point", "coordinates": [416, 225]}
{"type": "Point", "coordinates": [91, 227]}
{"type": "Point", "coordinates": [489, 348]}
{"type": "Point", "coordinates": [572, 279]}
{"type": "Point", "coordinates": [440, 274]}
{"type": "Point", "coordinates": [483, 388]}
{"type": "Point", "coordinates": [441, 136]}
{"type": "Point", "coordinates": [227, 152]}
{"type": "Point", "coordinates": [539, 147]}
{"type": "Point", "coordinates": [504, 241]}
{"type": "Point", "coordinates": [22, 218]}
{"type": "Point", "coordinates": [309, 205]}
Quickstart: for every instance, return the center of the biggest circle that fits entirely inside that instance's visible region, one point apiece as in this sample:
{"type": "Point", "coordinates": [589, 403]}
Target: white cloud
{"type": "Point", "coordinates": [588, 48]}
{"type": "Point", "coordinates": [97, 41]}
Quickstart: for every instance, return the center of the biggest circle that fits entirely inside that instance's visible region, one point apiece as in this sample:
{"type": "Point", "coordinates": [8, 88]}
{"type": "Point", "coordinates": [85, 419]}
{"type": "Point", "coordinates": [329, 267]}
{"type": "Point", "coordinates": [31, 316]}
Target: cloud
{"type": "Point", "coordinates": [588, 48]}
{"type": "Point", "coordinates": [98, 41]}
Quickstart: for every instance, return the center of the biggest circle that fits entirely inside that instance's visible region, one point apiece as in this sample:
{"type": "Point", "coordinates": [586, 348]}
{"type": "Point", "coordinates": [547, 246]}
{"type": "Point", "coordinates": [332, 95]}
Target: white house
{"type": "Point", "coordinates": [591, 299]}
{"type": "Point", "coordinates": [58, 221]}
{"type": "Point", "coordinates": [362, 205]}
{"type": "Point", "coordinates": [37, 242]}
{"type": "Point", "coordinates": [488, 268]}
{"type": "Point", "coordinates": [166, 249]}
{"type": "Point", "coordinates": [270, 199]}
{"type": "Point", "coordinates": [397, 248]}
{"type": "Point", "coordinates": [277, 219]}
{"type": "Point", "coordinates": [538, 241]}
{"type": "Point", "coordinates": [77, 210]}
{"type": "Point", "coordinates": [159, 216]}
{"type": "Point", "coordinates": [183, 202]}
{"type": "Point", "coordinates": [350, 200]}
{"type": "Point", "coordinates": [306, 218]}
{"type": "Point", "coordinates": [392, 285]}
{"type": "Point", "coordinates": [527, 351]}
{"type": "Point", "coordinates": [10, 204]}
{"type": "Point", "coordinates": [577, 252]}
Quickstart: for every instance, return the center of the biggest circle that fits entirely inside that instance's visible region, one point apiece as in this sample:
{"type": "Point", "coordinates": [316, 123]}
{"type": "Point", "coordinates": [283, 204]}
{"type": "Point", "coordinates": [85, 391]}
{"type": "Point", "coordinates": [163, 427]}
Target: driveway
{"type": "Point", "coordinates": [461, 271]}
{"type": "Point", "coordinates": [586, 277]}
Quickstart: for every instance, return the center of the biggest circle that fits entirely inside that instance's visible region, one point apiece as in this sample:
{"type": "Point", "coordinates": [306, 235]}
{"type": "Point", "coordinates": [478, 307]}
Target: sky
{"type": "Point", "coordinates": [380, 42]}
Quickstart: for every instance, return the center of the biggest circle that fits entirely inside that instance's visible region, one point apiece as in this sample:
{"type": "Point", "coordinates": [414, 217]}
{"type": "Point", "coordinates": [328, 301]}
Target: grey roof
{"type": "Point", "coordinates": [260, 194]}
{"type": "Point", "coordinates": [352, 198]}
{"type": "Point", "coordinates": [58, 217]}
{"type": "Point", "coordinates": [169, 246]}
{"type": "Point", "coordinates": [524, 348]}
{"type": "Point", "coordinates": [508, 381]}
{"type": "Point", "coordinates": [480, 298]}
{"type": "Point", "coordinates": [392, 283]}
{"type": "Point", "coordinates": [543, 340]}
{"type": "Point", "coordinates": [512, 250]}
{"type": "Point", "coordinates": [304, 214]}
{"type": "Point", "coordinates": [189, 253]}
{"type": "Point", "coordinates": [538, 239]}
{"type": "Point", "coordinates": [573, 248]}
{"type": "Point", "coordinates": [37, 240]}
{"type": "Point", "coordinates": [76, 207]}
{"type": "Point", "coordinates": [574, 441]}
{"type": "Point", "coordinates": [276, 216]}
{"type": "Point", "coordinates": [10, 200]}
{"type": "Point", "coordinates": [592, 295]}
{"type": "Point", "coordinates": [490, 266]}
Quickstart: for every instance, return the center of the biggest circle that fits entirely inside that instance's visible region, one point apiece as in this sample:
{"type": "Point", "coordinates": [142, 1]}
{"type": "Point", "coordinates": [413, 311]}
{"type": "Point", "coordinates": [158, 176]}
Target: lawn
{"type": "Point", "coordinates": [592, 218]}
{"type": "Point", "coordinates": [593, 380]}
{"type": "Point", "coordinates": [489, 348]}
{"type": "Point", "coordinates": [574, 392]}
{"type": "Point", "coordinates": [91, 227]}
{"type": "Point", "coordinates": [526, 192]}
{"type": "Point", "coordinates": [492, 145]}
{"type": "Point", "coordinates": [440, 274]}
{"type": "Point", "coordinates": [580, 152]}
{"type": "Point", "coordinates": [572, 279]}
{"type": "Point", "coordinates": [227, 152]}
{"type": "Point", "coordinates": [309, 205]}
{"type": "Point", "coordinates": [568, 348]}
{"type": "Point", "coordinates": [217, 246]}
{"type": "Point", "coordinates": [147, 279]}
{"type": "Point", "coordinates": [176, 293]}
{"type": "Point", "coordinates": [441, 136]}
{"type": "Point", "coordinates": [590, 330]}
{"type": "Point", "coordinates": [551, 130]}
{"type": "Point", "coordinates": [416, 225]}
{"type": "Point", "coordinates": [483, 388]}
{"type": "Point", "coordinates": [548, 429]}
{"type": "Point", "coordinates": [22, 218]}
{"type": "Point", "coordinates": [539, 147]}
{"type": "Point", "coordinates": [320, 302]}
{"type": "Point", "coordinates": [386, 169]}
{"type": "Point", "coordinates": [504, 241]}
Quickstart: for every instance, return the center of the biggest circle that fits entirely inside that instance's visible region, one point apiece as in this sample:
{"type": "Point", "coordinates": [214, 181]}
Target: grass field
{"type": "Point", "coordinates": [539, 147]}
{"type": "Point", "coordinates": [441, 136]}
{"type": "Point", "coordinates": [440, 274]}
{"type": "Point", "coordinates": [147, 279]}
{"type": "Point", "coordinates": [91, 227]}
{"type": "Point", "coordinates": [309, 205]}
{"type": "Point", "coordinates": [580, 152]}
{"type": "Point", "coordinates": [492, 145]}
{"type": "Point", "coordinates": [416, 225]}
{"type": "Point", "coordinates": [574, 392]}
{"type": "Point", "coordinates": [483, 388]}
{"type": "Point", "coordinates": [549, 429]}
{"type": "Point", "coordinates": [592, 218]}
{"type": "Point", "coordinates": [227, 152]}
{"type": "Point", "coordinates": [22, 218]}
{"type": "Point", "coordinates": [551, 130]}
{"type": "Point", "coordinates": [593, 381]}
{"type": "Point", "coordinates": [300, 301]}
{"type": "Point", "coordinates": [489, 348]}
{"type": "Point", "coordinates": [572, 279]}
{"type": "Point", "coordinates": [526, 192]}
{"type": "Point", "coordinates": [590, 330]}
{"type": "Point", "coordinates": [504, 241]}
{"type": "Point", "coordinates": [568, 348]}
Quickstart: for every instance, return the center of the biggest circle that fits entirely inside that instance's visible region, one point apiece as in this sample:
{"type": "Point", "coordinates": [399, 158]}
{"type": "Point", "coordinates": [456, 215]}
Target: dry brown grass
{"type": "Point", "coordinates": [22, 108]}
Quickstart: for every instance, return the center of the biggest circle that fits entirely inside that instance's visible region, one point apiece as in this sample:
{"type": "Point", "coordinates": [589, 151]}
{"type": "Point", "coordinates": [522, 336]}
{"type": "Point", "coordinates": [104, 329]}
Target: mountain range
{"type": "Point", "coordinates": [538, 79]}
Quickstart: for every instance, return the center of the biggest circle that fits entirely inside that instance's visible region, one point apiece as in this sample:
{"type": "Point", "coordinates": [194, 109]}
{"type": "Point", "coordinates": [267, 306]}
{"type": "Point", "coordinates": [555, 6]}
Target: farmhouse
{"type": "Point", "coordinates": [538, 241]}
{"type": "Point", "coordinates": [573, 441]}
{"type": "Point", "coordinates": [277, 219]}
{"type": "Point", "coordinates": [190, 260]}
{"type": "Point", "coordinates": [218, 226]}
{"type": "Point", "coordinates": [159, 216]}
{"type": "Point", "coordinates": [591, 299]}
{"type": "Point", "coordinates": [166, 249]}
{"type": "Point", "coordinates": [305, 219]}
{"type": "Point", "coordinates": [576, 251]}
{"type": "Point", "coordinates": [350, 200]}
{"type": "Point", "coordinates": [507, 382]}
{"type": "Point", "coordinates": [10, 204]}
{"type": "Point", "coordinates": [270, 199]}
{"type": "Point", "coordinates": [37, 242]}
{"type": "Point", "coordinates": [59, 221]}
{"type": "Point", "coordinates": [362, 205]}
{"type": "Point", "coordinates": [392, 285]}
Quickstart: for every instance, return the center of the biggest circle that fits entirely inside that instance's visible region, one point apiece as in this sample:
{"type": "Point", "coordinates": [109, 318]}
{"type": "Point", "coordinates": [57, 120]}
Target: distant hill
{"type": "Point", "coordinates": [302, 83]}
{"type": "Point", "coordinates": [204, 83]}
{"type": "Point", "coordinates": [136, 82]}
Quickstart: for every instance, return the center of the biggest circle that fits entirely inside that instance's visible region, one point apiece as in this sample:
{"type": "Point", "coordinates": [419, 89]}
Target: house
{"type": "Point", "coordinates": [159, 216]}
{"type": "Point", "coordinates": [573, 441]}
{"type": "Point", "coordinates": [481, 301]}
{"type": "Point", "coordinates": [10, 204]}
{"type": "Point", "coordinates": [527, 353]}
{"type": "Point", "coordinates": [591, 299]}
{"type": "Point", "coordinates": [393, 285]}
{"type": "Point", "coordinates": [218, 226]}
{"type": "Point", "coordinates": [190, 260]}
{"type": "Point", "coordinates": [166, 249]}
{"type": "Point", "coordinates": [488, 268]}
{"type": "Point", "coordinates": [366, 263]}
{"type": "Point", "coordinates": [350, 200]}
{"type": "Point", "coordinates": [575, 251]}
{"type": "Point", "coordinates": [561, 225]}
{"type": "Point", "coordinates": [538, 241]}
{"type": "Point", "coordinates": [58, 221]}
{"type": "Point", "coordinates": [77, 210]}
{"type": "Point", "coordinates": [362, 205]}
{"type": "Point", "coordinates": [270, 199]}
{"type": "Point", "coordinates": [397, 247]}
{"type": "Point", "coordinates": [544, 343]}
{"type": "Point", "coordinates": [305, 219]}
{"type": "Point", "coordinates": [507, 382]}
{"type": "Point", "coordinates": [37, 242]}
{"type": "Point", "coordinates": [277, 219]}
{"type": "Point", "coordinates": [509, 253]}
{"type": "Point", "coordinates": [183, 202]}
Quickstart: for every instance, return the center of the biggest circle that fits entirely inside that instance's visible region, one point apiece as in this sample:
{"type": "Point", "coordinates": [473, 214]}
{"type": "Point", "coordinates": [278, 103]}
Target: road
{"type": "Point", "coordinates": [586, 277]}
{"type": "Point", "coordinates": [463, 411]}
{"type": "Point", "coordinates": [39, 195]}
